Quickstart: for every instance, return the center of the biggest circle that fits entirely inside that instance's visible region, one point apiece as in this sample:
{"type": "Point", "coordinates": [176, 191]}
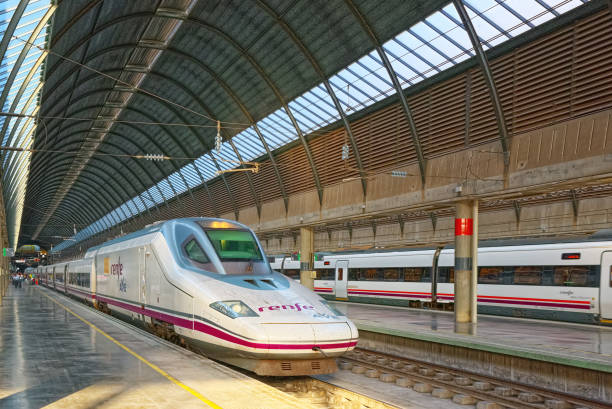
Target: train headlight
{"type": "Point", "coordinates": [233, 309]}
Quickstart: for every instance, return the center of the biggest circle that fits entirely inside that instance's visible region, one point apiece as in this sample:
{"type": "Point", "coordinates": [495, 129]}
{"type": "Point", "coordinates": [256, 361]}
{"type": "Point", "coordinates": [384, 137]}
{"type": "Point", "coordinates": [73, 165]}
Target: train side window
{"type": "Point", "coordinates": [576, 276]}
{"type": "Point", "coordinates": [295, 274]}
{"type": "Point", "coordinates": [325, 274]}
{"type": "Point", "coordinates": [527, 275]}
{"type": "Point", "coordinates": [195, 252]}
{"type": "Point", "coordinates": [448, 273]}
{"type": "Point", "coordinates": [368, 274]}
{"type": "Point", "coordinates": [413, 274]}
{"type": "Point", "coordinates": [353, 274]}
{"type": "Point", "coordinates": [610, 276]}
{"type": "Point", "coordinates": [391, 274]}
{"type": "Point", "coordinates": [490, 275]}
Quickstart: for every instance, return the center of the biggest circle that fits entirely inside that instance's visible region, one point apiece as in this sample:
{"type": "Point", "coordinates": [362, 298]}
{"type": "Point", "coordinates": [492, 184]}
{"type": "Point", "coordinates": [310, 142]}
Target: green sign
{"type": "Point", "coordinates": [10, 252]}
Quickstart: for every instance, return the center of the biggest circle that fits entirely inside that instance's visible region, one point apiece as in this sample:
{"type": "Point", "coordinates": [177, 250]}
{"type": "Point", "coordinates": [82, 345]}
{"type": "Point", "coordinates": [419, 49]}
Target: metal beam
{"type": "Point", "coordinates": [276, 92]}
{"type": "Point", "coordinates": [84, 155]}
{"type": "Point", "coordinates": [123, 19]}
{"type": "Point", "coordinates": [186, 89]}
{"type": "Point", "coordinates": [489, 80]}
{"type": "Point", "coordinates": [315, 65]}
{"type": "Point", "coordinates": [416, 142]}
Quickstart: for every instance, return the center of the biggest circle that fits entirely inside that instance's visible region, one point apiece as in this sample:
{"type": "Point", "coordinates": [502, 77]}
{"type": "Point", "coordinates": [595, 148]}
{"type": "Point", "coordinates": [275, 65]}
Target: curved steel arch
{"type": "Point", "coordinates": [315, 64]}
{"type": "Point", "coordinates": [250, 59]}
{"type": "Point", "coordinates": [42, 161]}
{"type": "Point", "coordinates": [134, 175]}
{"type": "Point", "coordinates": [226, 88]}
{"type": "Point", "coordinates": [103, 171]}
{"type": "Point", "coordinates": [169, 134]}
{"type": "Point", "coordinates": [276, 92]}
{"type": "Point", "coordinates": [202, 142]}
{"type": "Point", "coordinates": [129, 181]}
{"type": "Point", "coordinates": [93, 206]}
{"type": "Point", "coordinates": [94, 177]}
{"type": "Point", "coordinates": [75, 46]}
{"type": "Point", "coordinates": [369, 30]}
{"type": "Point", "coordinates": [82, 193]}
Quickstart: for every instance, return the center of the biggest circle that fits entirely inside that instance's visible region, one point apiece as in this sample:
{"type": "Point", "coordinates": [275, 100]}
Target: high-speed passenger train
{"type": "Point", "coordinates": [567, 280]}
{"type": "Point", "coordinates": [208, 282]}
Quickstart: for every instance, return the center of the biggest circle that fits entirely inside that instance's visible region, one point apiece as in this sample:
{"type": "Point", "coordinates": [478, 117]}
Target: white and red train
{"type": "Point", "coordinates": [567, 280]}
{"type": "Point", "coordinates": [207, 282]}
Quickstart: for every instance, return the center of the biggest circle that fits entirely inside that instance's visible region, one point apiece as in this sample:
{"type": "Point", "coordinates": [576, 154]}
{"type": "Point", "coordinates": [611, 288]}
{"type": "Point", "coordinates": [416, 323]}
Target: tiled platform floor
{"type": "Point", "coordinates": [50, 358]}
{"type": "Point", "coordinates": [587, 346]}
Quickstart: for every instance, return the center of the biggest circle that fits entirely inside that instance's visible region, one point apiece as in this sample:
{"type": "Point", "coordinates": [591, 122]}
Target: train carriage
{"type": "Point", "coordinates": [569, 280]}
{"type": "Point", "coordinates": [207, 282]}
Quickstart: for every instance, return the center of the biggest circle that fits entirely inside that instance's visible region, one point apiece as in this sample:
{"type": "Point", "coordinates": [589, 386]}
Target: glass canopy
{"type": "Point", "coordinates": [421, 51]}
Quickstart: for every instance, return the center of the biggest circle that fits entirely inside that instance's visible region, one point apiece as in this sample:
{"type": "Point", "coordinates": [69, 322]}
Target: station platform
{"type": "Point", "coordinates": [58, 353]}
{"type": "Point", "coordinates": [579, 345]}
{"type": "Point", "coordinates": [574, 359]}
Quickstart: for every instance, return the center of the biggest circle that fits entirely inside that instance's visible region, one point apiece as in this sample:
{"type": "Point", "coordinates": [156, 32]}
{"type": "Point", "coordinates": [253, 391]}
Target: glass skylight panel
{"type": "Point", "coordinates": [118, 216]}
{"type": "Point", "coordinates": [269, 135]}
{"type": "Point", "coordinates": [191, 175]}
{"type": "Point", "coordinates": [224, 156]}
{"type": "Point", "coordinates": [177, 182]}
{"type": "Point", "coordinates": [277, 129]}
{"type": "Point", "coordinates": [139, 203]}
{"type": "Point", "coordinates": [153, 195]}
{"type": "Point", "coordinates": [562, 6]}
{"type": "Point", "coordinates": [311, 106]}
{"type": "Point", "coordinates": [320, 96]}
{"type": "Point", "coordinates": [423, 50]}
{"type": "Point", "coordinates": [132, 206]}
{"type": "Point", "coordinates": [248, 144]}
{"type": "Point", "coordinates": [166, 189]}
{"type": "Point", "coordinates": [304, 117]}
{"type": "Point", "coordinates": [206, 167]}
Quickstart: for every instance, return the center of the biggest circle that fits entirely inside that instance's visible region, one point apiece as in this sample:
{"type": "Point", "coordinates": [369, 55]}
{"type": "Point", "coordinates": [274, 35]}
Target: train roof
{"type": "Point", "coordinates": [599, 236]}
{"type": "Point", "coordinates": [155, 227]}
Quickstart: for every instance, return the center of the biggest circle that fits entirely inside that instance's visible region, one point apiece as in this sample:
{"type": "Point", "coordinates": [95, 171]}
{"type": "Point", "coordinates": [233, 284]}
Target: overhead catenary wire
{"type": "Point", "coordinates": [130, 86]}
{"type": "Point", "coordinates": [67, 118]}
{"type": "Point", "coordinates": [203, 126]}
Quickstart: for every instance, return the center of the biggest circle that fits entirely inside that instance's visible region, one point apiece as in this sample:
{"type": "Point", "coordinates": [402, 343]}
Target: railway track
{"type": "Point", "coordinates": [462, 387]}
{"type": "Point", "coordinates": [323, 395]}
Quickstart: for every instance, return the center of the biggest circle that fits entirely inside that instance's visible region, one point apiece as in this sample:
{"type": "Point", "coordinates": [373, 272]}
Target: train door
{"type": "Point", "coordinates": [142, 273]}
{"type": "Point", "coordinates": [66, 278]}
{"type": "Point", "coordinates": [342, 279]}
{"type": "Point", "coordinates": [53, 277]}
{"type": "Point", "coordinates": [605, 287]}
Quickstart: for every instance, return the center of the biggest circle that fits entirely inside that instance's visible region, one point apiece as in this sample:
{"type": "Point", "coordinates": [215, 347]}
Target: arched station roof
{"type": "Point", "coordinates": [103, 83]}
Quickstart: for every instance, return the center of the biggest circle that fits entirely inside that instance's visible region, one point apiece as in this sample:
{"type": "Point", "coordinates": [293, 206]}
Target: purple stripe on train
{"type": "Point", "coordinates": [215, 332]}
{"type": "Point", "coordinates": [486, 300]}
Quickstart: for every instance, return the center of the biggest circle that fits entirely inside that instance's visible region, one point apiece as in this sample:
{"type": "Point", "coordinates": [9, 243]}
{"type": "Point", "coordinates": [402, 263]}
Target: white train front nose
{"type": "Point", "coordinates": [309, 340]}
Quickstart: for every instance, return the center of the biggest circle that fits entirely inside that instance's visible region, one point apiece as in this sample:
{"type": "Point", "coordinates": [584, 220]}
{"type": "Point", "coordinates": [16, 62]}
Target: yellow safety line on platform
{"type": "Point", "coordinates": [153, 366]}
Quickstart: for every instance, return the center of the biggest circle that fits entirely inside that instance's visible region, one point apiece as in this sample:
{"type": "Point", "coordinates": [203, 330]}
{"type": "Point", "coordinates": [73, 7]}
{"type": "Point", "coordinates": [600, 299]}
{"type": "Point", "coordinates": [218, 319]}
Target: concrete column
{"type": "Point", "coordinates": [474, 288]}
{"type": "Point", "coordinates": [306, 257]}
{"type": "Point", "coordinates": [464, 263]}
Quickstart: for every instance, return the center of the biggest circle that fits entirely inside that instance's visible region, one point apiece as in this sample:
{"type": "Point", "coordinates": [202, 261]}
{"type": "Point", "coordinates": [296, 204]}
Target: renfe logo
{"type": "Point", "coordinates": [117, 269]}
{"type": "Point", "coordinates": [295, 306]}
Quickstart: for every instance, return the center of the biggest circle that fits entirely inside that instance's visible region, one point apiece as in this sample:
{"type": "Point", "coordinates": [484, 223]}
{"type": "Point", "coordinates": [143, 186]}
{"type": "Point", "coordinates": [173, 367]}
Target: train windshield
{"type": "Point", "coordinates": [238, 251]}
